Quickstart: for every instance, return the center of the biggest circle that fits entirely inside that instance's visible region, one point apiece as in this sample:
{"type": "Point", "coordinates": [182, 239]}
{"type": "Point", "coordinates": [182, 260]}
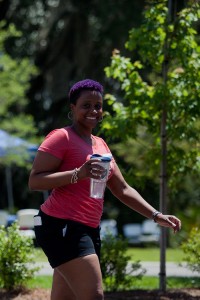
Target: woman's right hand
{"type": "Point", "coordinates": [91, 169]}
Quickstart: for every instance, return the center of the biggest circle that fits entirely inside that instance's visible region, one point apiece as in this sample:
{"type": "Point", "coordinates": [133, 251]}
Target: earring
{"type": "Point", "coordinates": [100, 120]}
{"type": "Point", "coordinates": [70, 115]}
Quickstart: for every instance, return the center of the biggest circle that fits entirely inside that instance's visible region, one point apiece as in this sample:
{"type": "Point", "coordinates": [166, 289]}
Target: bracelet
{"type": "Point", "coordinates": [74, 177]}
{"type": "Point", "coordinates": [155, 214]}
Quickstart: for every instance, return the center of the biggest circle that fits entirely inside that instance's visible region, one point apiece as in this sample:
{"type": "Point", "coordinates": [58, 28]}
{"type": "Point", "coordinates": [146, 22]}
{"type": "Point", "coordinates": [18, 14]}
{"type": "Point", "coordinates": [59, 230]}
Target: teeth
{"type": "Point", "coordinates": [91, 118]}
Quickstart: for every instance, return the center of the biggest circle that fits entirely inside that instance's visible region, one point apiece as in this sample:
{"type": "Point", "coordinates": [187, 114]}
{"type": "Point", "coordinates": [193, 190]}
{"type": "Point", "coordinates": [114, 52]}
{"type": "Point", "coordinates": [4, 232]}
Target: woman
{"type": "Point", "coordinates": [67, 227]}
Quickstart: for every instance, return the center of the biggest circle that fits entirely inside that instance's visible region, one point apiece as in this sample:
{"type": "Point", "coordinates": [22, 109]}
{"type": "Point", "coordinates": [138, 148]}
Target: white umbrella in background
{"type": "Point", "coordinates": [13, 148]}
{"type": "Point", "coordinates": [12, 145]}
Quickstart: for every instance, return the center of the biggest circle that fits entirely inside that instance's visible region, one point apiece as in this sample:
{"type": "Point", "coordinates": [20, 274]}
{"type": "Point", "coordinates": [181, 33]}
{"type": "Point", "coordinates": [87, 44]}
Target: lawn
{"type": "Point", "coordinates": [141, 254]}
{"type": "Point", "coordinates": [146, 283]}
{"type": "Point", "coordinates": [153, 254]}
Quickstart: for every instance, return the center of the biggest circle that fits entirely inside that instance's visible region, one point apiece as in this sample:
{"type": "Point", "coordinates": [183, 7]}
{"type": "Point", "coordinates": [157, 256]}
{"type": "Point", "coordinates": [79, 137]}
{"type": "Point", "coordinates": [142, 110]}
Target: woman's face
{"type": "Point", "coordinates": [87, 111]}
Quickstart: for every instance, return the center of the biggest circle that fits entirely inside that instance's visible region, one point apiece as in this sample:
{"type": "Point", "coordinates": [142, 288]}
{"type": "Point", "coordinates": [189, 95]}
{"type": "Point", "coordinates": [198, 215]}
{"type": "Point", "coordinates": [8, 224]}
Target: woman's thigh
{"type": "Point", "coordinates": [83, 275]}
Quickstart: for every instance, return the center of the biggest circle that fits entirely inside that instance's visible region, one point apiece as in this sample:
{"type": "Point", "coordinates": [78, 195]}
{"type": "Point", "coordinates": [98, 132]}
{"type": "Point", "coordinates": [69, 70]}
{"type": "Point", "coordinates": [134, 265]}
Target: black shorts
{"type": "Point", "coordinates": [63, 240]}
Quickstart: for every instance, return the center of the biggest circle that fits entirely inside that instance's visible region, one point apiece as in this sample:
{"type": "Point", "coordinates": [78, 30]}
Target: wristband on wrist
{"type": "Point", "coordinates": [74, 177]}
{"type": "Point", "coordinates": [155, 214]}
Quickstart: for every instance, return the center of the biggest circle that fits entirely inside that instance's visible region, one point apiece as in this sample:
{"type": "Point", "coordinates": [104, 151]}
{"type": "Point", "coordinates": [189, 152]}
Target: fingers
{"type": "Point", "coordinates": [93, 170]}
{"type": "Point", "coordinates": [176, 222]}
{"type": "Point", "coordinates": [95, 173]}
{"type": "Point", "coordinates": [173, 222]}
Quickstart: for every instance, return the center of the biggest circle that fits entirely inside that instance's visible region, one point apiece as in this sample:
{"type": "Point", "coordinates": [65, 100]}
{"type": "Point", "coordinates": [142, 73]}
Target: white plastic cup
{"type": "Point", "coordinates": [97, 186]}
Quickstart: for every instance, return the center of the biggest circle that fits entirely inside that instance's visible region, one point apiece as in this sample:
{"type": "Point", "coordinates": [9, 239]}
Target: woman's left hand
{"type": "Point", "coordinates": [169, 221]}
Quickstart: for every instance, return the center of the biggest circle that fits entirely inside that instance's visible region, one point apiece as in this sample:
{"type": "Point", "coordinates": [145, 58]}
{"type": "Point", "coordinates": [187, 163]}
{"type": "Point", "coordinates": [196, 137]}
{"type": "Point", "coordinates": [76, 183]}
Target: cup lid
{"type": "Point", "coordinates": [95, 156]}
{"type": "Point", "coordinates": [104, 157]}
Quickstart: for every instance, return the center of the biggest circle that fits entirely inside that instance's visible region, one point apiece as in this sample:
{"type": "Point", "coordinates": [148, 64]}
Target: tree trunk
{"type": "Point", "coordinates": [163, 200]}
{"type": "Point", "coordinates": [163, 166]}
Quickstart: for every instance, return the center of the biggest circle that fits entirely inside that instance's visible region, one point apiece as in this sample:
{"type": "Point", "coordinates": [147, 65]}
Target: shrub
{"type": "Point", "coordinates": [191, 249]}
{"type": "Point", "coordinates": [117, 272]}
{"type": "Point", "coordinates": [16, 254]}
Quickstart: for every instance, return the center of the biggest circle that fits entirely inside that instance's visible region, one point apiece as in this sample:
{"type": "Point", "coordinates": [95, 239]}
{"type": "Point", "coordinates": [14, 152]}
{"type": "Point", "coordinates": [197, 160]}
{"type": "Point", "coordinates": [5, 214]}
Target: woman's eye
{"type": "Point", "coordinates": [98, 106]}
{"type": "Point", "coordinates": [87, 106]}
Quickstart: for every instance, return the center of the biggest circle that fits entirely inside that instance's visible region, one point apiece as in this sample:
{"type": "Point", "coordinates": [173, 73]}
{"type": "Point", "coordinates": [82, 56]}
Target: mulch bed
{"type": "Point", "coordinates": [178, 294]}
{"type": "Point", "coordinates": [175, 294]}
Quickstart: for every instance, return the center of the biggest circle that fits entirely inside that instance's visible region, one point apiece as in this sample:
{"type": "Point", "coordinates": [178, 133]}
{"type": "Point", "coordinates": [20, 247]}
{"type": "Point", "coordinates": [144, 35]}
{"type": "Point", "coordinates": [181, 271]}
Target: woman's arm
{"type": "Point", "coordinates": [45, 175]}
{"type": "Point", "coordinates": [130, 197]}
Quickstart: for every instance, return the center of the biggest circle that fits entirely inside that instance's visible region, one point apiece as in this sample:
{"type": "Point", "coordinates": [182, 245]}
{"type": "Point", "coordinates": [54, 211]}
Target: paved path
{"type": "Point", "coordinates": [152, 269]}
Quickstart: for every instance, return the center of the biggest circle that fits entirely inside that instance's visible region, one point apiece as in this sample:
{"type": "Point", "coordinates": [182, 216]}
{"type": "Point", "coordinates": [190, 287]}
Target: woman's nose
{"type": "Point", "coordinates": [93, 110]}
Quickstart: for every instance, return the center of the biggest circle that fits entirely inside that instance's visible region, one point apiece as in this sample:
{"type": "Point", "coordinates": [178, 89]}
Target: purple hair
{"type": "Point", "coordinates": [87, 84]}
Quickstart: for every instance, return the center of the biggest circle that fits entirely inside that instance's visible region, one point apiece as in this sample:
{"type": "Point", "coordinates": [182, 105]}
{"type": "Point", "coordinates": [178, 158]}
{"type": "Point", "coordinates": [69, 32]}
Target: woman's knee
{"type": "Point", "coordinates": [95, 295]}
{"type": "Point", "coordinates": [89, 292]}
{"type": "Point", "coordinates": [99, 295]}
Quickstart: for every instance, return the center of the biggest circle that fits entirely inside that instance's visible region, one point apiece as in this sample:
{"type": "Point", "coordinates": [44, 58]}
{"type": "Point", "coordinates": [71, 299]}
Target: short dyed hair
{"type": "Point", "coordinates": [86, 84]}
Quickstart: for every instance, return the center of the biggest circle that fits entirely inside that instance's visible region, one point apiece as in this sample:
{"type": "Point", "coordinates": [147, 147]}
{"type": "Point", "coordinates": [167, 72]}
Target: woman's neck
{"type": "Point", "coordinates": [85, 135]}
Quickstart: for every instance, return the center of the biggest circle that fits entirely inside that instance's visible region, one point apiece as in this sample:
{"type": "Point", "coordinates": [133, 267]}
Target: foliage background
{"type": "Point", "coordinates": [58, 42]}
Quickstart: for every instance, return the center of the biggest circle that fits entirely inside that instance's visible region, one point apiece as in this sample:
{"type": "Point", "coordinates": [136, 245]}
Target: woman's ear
{"type": "Point", "coordinates": [72, 107]}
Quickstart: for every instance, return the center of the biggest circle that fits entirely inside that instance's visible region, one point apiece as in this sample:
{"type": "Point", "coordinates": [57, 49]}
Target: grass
{"type": "Point", "coordinates": [146, 283]}
{"type": "Point", "coordinates": [149, 283]}
{"type": "Point", "coordinates": [153, 254]}
{"type": "Point", "coordinates": [141, 254]}
{"type": "Point", "coordinates": [43, 282]}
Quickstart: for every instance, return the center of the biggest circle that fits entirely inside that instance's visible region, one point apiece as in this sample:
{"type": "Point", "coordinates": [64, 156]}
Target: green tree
{"type": "Point", "coordinates": [161, 93]}
{"type": "Point", "coordinates": [145, 97]}
{"type": "Point", "coordinates": [15, 75]}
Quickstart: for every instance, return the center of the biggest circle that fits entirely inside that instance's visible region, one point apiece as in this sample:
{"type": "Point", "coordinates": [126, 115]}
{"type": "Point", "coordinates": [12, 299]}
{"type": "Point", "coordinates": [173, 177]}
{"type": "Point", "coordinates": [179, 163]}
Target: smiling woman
{"type": "Point", "coordinates": [68, 224]}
